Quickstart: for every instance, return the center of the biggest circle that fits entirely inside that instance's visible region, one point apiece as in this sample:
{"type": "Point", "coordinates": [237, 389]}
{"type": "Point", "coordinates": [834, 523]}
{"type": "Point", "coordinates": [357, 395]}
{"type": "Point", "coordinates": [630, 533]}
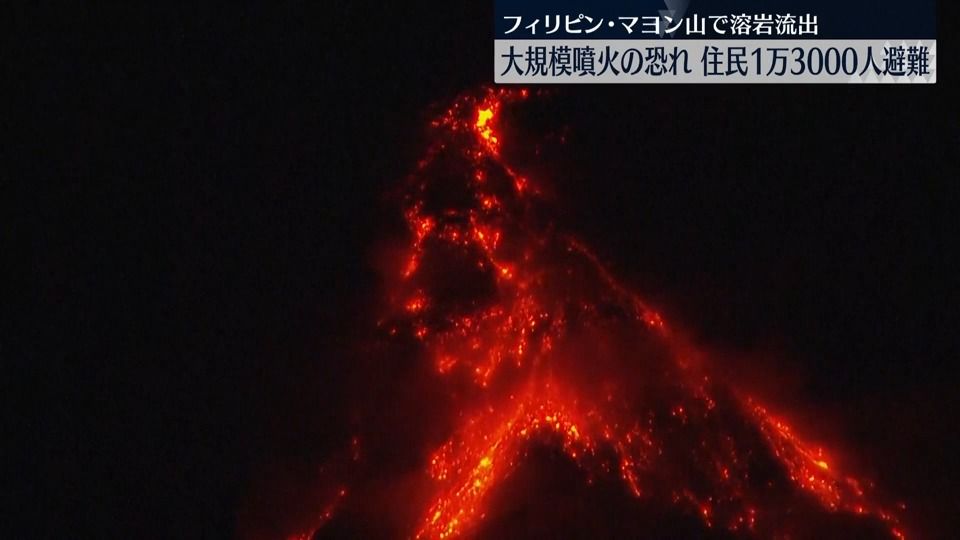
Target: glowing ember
{"type": "Point", "coordinates": [539, 343]}
{"type": "Point", "coordinates": [484, 116]}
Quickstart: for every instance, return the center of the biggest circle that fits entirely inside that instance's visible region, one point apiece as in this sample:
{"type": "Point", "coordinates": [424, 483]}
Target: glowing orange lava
{"type": "Point", "coordinates": [545, 345]}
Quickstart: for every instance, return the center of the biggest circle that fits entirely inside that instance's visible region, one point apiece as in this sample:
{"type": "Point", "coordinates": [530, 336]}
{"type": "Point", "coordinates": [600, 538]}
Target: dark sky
{"type": "Point", "coordinates": [207, 186]}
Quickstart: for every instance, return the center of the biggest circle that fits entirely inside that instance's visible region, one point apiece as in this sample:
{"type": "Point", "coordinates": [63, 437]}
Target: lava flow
{"type": "Point", "coordinates": [531, 342]}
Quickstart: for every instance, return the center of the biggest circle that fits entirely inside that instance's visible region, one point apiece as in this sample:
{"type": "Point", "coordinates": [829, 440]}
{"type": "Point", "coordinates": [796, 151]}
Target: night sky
{"type": "Point", "coordinates": [209, 190]}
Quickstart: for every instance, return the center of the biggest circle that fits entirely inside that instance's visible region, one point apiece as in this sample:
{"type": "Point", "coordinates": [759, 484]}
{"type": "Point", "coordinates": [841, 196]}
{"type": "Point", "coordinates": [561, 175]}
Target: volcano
{"type": "Point", "coordinates": [533, 394]}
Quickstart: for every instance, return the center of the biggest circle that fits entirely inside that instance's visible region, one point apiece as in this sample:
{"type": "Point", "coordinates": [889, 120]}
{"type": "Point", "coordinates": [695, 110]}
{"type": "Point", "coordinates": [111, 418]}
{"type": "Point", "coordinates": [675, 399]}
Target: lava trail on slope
{"type": "Point", "coordinates": [512, 339]}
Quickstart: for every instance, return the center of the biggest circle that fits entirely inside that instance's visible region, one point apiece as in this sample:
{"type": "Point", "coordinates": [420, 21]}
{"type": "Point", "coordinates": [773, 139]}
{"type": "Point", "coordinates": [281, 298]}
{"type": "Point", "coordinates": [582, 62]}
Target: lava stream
{"type": "Point", "coordinates": [538, 343]}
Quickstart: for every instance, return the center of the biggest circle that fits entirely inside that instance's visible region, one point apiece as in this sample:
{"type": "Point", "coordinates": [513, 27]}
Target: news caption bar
{"type": "Point", "coordinates": [717, 61]}
{"type": "Point", "coordinates": [729, 42]}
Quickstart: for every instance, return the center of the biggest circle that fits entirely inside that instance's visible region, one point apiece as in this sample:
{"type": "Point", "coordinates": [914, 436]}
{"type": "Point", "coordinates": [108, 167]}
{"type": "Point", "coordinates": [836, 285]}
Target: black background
{"type": "Point", "coordinates": [207, 185]}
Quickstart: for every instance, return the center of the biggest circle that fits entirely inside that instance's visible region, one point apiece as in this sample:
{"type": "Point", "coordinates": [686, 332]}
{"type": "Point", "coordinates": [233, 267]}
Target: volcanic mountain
{"type": "Point", "coordinates": [532, 394]}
